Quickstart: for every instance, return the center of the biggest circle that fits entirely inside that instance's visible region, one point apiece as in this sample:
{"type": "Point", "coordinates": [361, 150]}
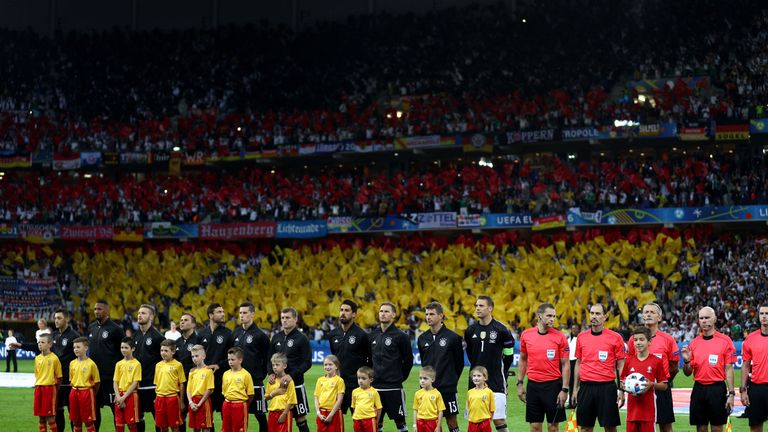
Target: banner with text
{"type": "Point", "coordinates": [301, 229]}
{"type": "Point", "coordinates": [237, 230]}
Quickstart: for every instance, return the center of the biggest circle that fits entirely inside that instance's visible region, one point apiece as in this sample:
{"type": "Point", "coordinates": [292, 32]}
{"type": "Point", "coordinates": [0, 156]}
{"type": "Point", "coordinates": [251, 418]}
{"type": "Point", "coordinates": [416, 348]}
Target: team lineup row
{"type": "Point", "coordinates": [600, 354]}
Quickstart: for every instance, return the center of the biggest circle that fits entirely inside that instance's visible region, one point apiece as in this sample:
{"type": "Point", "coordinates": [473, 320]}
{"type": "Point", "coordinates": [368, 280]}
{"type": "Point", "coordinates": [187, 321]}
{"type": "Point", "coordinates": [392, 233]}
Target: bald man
{"type": "Point", "coordinates": [710, 358]}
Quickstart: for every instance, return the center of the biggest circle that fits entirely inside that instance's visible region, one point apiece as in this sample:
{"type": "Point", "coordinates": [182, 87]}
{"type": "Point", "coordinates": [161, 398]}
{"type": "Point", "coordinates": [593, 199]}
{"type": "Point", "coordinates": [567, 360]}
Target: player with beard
{"type": "Point", "coordinates": [104, 339]}
{"type": "Point", "coordinates": [350, 344]}
{"type": "Point", "coordinates": [184, 344]}
{"type": "Point", "coordinates": [217, 340]}
{"type": "Point", "coordinates": [147, 342]}
{"type": "Point", "coordinates": [392, 362]}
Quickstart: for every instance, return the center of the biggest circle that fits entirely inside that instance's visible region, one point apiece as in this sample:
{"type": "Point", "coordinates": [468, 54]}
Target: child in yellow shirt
{"type": "Point", "coordinates": [428, 405]}
{"type": "Point", "coordinates": [281, 395]}
{"type": "Point", "coordinates": [480, 402]}
{"type": "Point", "coordinates": [84, 378]}
{"type": "Point", "coordinates": [47, 380]}
{"type": "Point", "coordinates": [366, 402]}
{"type": "Point", "coordinates": [329, 394]}
{"type": "Point", "coordinates": [237, 389]}
{"type": "Point", "coordinates": [126, 382]}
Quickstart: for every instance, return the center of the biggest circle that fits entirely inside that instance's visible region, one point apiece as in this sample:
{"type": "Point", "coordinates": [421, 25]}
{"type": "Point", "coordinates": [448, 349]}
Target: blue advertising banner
{"type": "Point", "coordinates": [301, 229]}
{"type": "Point", "coordinates": [8, 231]}
{"type": "Point", "coordinates": [668, 215]}
{"type": "Point", "coordinates": [90, 159]}
{"type": "Point", "coordinates": [436, 220]}
{"type": "Point", "coordinates": [167, 230]}
{"type": "Point", "coordinates": [506, 220]}
{"type": "Point", "coordinates": [658, 130]}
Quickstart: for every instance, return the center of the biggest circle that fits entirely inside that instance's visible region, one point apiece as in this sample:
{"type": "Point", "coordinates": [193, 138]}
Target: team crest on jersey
{"type": "Point", "coordinates": [64, 342]}
{"type": "Point", "coordinates": [550, 354]}
{"type": "Point", "coordinates": [493, 335]}
{"type": "Point", "coordinates": [713, 359]}
{"type": "Point", "coordinates": [289, 343]}
{"type": "Point", "coordinates": [249, 339]}
{"type": "Point", "coordinates": [602, 356]}
{"type": "Point", "coordinates": [148, 341]}
{"type": "Point", "coordinates": [388, 341]}
{"type": "Point", "coordinates": [104, 334]}
{"type": "Point", "coordinates": [189, 347]}
{"type": "Point", "coordinates": [352, 340]}
{"type": "Point", "coordinates": [219, 339]}
{"type": "Point", "coordinates": [432, 397]}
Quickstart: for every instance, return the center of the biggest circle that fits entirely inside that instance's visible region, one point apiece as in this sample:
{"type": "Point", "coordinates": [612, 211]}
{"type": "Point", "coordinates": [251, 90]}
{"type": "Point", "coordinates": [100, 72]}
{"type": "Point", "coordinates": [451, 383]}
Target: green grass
{"type": "Point", "coordinates": [16, 407]}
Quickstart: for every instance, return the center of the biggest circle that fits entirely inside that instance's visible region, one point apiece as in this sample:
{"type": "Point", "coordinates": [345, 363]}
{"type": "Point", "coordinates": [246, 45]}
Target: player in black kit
{"type": "Point", "coordinates": [184, 344]}
{"type": "Point", "coordinates": [350, 344]}
{"type": "Point", "coordinates": [104, 337]}
{"type": "Point", "coordinates": [295, 345]}
{"type": "Point", "coordinates": [216, 339]}
{"type": "Point", "coordinates": [490, 344]}
{"type": "Point", "coordinates": [442, 349]}
{"type": "Point", "coordinates": [255, 345]}
{"type": "Point", "coordinates": [392, 362]}
{"type": "Point", "coordinates": [147, 343]}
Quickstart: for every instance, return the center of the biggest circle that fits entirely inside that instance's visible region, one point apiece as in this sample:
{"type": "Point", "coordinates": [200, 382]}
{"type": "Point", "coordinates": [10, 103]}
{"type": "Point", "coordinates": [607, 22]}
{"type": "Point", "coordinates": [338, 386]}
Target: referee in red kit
{"type": "Point", "coordinates": [544, 359]}
{"type": "Point", "coordinates": [710, 358]}
{"type": "Point", "coordinates": [754, 394]}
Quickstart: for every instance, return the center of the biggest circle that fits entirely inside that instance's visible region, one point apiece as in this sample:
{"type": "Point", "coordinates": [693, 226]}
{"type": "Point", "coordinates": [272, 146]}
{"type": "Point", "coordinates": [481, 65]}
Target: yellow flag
{"type": "Point", "coordinates": [728, 425]}
{"type": "Point", "coordinates": [572, 426]}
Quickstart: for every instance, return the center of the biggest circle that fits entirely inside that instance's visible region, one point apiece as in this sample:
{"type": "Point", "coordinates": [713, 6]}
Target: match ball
{"type": "Point", "coordinates": [635, 382]}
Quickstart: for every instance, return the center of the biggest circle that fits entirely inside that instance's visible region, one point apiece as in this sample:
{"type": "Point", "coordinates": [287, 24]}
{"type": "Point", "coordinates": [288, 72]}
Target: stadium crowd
{"type": "Point", "coordinates": [250, 194]}
{"type": "Point", "coordinates": [682, 271]}
{"type": "Point", "coordinates": [257, 87]}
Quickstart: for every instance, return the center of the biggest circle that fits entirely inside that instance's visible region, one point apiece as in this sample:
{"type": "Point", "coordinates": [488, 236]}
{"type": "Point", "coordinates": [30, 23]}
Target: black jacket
{"type": "Point", "coordinates": [295, 346]}
{"type": "Point", "coordinates": [148, 354]}
{"type": "Point", "coordinates": [104, 347]}
{"type": "Point", "coordinates": [255, 345]}
{"type": "Point", "coordinates": [391, 356]}
{"type": "Point", "coordinates": [353, 350]}
{"type": "Point", "coordinates": [216, 345]}
{"type": "Point", "coordinates": [184, 351]}
{"type": "Point", "coordinates": [443, 351]}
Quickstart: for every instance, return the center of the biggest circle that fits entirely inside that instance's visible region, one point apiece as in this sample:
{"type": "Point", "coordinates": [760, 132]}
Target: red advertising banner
{"type": "Point", "coordinates": [234, 231]}
{"type": "Point", "coordinates": [75, 232]}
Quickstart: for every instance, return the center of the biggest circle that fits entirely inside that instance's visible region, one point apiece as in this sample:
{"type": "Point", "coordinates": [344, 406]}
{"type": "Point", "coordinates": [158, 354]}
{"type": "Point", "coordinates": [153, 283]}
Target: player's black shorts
{"type": "Point", "coordinates": [301, 408]}
{"type": "Point", "coordinates": [393, 403]}
{"type": "Point", "coordinates": [147, 400]}
{"type": "Point", "coordinates": [665, 412]}
{"type": "Point", "coordinates": [217, 398]}
{"type": "Point", "coordinates": [597, 401]}
{"type": "Point", "coordinates": [451, 400]}
{"type": "Point", "coordinates": [258, 404]}
{"type": "Point", "coordinates": [708, 404]}
{"type": "Point", "coordinates": [106, 395]}
{"type": "Point", "coordinates": [62, 399]}
{"type": "Point", "coordinates": [346, 403]}
{"type": "Point", "coordinates": [541, 401]}
{"type": "Point", "coordinates": [758, 404]}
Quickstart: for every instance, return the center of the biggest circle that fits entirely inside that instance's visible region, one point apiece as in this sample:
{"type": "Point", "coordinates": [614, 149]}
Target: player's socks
{"type": "Point", "coordinates": [41, 425]}
{"type": "Point", "coordinates": [402, 429]}
{"type": "Point", "coordinates": [52, 426]}
{"type": "Point", "coordinates": [132, 428]}
{"type": "Point", "coordinates": [502, 428]}
{"type": "Point", "coordinates": [302, 426]}
{"type": "Point", "coordinates": [263, 423]}
{"type": "Point", "coordinates": [77, 428]}
{"type": "Point", "coordinates": [456, 429]}
{"type": "Point", "coordinates": [90, 428]}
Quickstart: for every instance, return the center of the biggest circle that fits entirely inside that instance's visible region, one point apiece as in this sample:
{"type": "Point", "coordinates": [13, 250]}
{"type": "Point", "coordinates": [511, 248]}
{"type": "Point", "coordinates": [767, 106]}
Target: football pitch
{"type": "Point", "coordinates": [16, 407]}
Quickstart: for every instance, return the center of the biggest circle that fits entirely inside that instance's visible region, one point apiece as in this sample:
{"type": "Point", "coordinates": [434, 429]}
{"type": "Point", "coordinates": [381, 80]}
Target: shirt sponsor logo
{"type": "Point", "coordinates": [602, 356]}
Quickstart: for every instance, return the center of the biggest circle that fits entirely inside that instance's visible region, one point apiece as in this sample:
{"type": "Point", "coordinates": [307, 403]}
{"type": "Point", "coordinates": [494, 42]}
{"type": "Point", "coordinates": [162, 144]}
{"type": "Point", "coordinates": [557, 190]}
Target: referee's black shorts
{"type": "Point", "coordinates": [597, 401]}
{"type": "Point", "coordinates": [758, 404]}
{"type": "Point", "coordinates": [708, 404]}
{"type": "Point", "coordinates": [541, 401]}
{"type": "Point", "coordinates": [665, 412]}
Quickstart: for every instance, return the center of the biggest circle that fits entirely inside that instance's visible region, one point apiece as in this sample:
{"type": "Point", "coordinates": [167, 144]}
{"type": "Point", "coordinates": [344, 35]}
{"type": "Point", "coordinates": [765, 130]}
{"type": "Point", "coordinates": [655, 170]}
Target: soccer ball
{"type": "Point", "coordinates": [635, 382]}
